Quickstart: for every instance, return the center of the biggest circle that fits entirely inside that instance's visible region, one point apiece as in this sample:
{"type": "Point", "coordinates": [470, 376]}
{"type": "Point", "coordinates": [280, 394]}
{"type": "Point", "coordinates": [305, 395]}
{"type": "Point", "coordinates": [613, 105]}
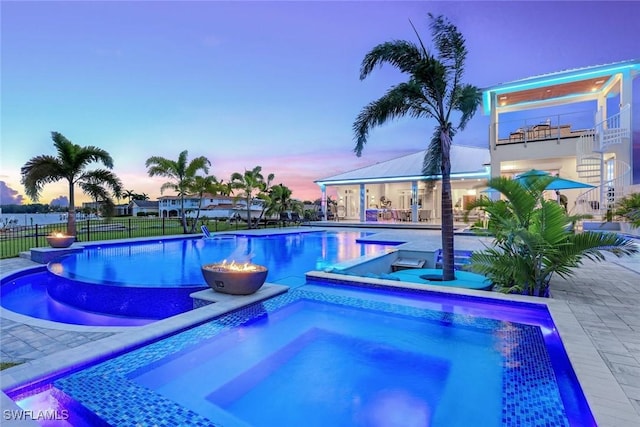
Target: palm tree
{"type": "Point", "coordinates": [533, 238]}
{"type": "Point", "coordinates": [70, 164]}
{"type": "Point", "coordinates": [253, 185]}
{"type": "Point", "coordinates": [128, 194]}
{"type": "Point", "coordinates": [225, 188]}
{"type": "Point", "coordinates": [93, 185]}
{"type": "Point", "coordinates": [180, 174]}
{"type": "Point", "coordinates": [629, 208]}
{"type": "Point", "coordinates": [279, 199]}
{"type": "Point", "coordinates": [434, 91]}
{"type": "Point", "coordinates": [200, 186]}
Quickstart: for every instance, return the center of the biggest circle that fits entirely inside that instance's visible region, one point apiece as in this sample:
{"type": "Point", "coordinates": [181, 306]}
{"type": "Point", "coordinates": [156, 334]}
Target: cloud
{"type": "Point", "coordinates": [9, 196]}
{"type": "Point", "coordinates": [60, 201]}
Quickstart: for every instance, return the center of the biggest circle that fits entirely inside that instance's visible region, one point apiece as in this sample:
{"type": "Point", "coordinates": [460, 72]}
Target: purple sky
{"type": "Point", "coordinates": [259, 83]}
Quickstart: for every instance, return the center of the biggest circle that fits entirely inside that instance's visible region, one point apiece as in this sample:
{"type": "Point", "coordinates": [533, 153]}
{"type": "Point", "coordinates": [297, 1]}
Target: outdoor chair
{"type": "Point", "coordinates": [205, 232]}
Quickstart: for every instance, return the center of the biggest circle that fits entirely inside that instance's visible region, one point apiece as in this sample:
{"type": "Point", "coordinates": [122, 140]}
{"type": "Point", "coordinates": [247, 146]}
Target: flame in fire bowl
{"type": "Point", "coordinates": [59, 240]}
{"type": "Point", "coordinates": [233, 278]}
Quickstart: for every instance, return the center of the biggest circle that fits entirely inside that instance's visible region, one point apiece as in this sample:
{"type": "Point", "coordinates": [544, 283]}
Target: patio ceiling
{"type": "Point", "coordinates": [580, 84]}
{"type": "Point", "coordinates": [553, 91]}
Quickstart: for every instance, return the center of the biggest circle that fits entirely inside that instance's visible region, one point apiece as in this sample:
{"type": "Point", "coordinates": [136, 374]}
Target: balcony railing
{"type": "Point", "coordinates": [555, 127]}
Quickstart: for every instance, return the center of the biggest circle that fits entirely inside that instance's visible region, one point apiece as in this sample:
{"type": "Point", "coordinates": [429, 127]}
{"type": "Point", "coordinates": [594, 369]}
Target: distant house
{"type": "Point", "coordinates": [143, 207]}
{"type": "Point", "coordinates": [217, 206]}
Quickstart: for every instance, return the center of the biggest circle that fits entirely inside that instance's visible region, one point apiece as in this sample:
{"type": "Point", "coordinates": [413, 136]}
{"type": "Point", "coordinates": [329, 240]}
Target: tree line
{"type": "Point", "coordinates": [185, 177]}
{"type": "Point", "coordinates": [31, 209]}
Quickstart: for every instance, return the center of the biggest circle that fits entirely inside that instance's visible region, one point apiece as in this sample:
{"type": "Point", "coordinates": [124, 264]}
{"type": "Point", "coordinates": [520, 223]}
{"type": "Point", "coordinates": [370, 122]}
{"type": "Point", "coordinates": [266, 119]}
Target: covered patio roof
{"type": "Point", "coordinates": [466, 162]}
{"type": "Point", "coordinates": [580, 84]}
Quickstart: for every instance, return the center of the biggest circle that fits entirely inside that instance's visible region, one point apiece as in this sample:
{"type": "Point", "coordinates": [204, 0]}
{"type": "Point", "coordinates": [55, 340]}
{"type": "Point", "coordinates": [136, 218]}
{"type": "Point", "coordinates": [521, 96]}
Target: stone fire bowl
{"type": "Point", "coordinates": [60, 241]}
{"type": "Point", "coordinates": [234, 282]}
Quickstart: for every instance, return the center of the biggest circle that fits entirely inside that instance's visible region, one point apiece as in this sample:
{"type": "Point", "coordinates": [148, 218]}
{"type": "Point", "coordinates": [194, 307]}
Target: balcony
{"type": "Point", "coordinates": [554, 128]}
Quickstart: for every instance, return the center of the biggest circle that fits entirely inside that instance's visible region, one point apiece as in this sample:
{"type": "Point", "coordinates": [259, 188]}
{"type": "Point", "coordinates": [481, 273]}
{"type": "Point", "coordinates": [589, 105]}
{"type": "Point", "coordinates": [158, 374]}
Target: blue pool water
{"type": "Point", "coordinates": [122, 284]}
{"type": "Point", "coordinates": [327, 355]}
{"type": "Point", "coordinates": [176, 263]}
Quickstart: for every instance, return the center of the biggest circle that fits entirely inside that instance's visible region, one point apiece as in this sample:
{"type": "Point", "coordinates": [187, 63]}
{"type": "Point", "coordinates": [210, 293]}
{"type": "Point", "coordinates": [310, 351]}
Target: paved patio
{"type": "Point", "coordinates": [603, 297]}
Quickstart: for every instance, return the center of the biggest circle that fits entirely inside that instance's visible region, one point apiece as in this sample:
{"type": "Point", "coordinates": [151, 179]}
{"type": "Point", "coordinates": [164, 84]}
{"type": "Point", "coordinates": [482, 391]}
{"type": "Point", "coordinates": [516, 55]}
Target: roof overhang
{"type": "Point", "coordinates": [576, 85]}
{"type": "Point", "coordinates": [454, 176]}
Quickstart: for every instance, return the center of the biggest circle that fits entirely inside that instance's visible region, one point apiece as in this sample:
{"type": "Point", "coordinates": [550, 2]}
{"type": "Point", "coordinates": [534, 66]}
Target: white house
{"type": "Point", "coordinates": [169, 206]}
{"type": "Point", "coordinates": [576, 124]}
{"type": "Point", "coordinates": [144, 207]}
{"type": "Point", "coordinates": [396, 189]}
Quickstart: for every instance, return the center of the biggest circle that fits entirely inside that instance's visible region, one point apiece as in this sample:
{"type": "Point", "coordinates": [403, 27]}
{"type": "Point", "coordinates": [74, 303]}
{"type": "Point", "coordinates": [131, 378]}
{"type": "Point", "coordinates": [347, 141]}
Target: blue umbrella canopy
{"type": "Point", "coordinates": [557, 184]}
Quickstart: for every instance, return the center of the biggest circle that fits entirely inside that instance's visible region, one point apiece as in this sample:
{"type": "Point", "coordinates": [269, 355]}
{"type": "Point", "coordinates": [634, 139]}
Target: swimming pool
{"type": "Point", "coordinates": [119, 284]}
{"type": "Point", "coordinates": [349, 356]}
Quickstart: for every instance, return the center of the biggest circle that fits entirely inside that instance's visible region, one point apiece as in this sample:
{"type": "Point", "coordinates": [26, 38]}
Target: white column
{"type": "Point", "coordinates": [363, 202]}
{"type": "Point", "coordinates": [626, 98]}
{"type": "Point", "coordinates": [323, 201]}
{"type": "Point", "coordinates": [626, 120]}
{"type": "Point", "coordinates": [493, 126]}
{"type": "Point", "coordinates": [414, 201]}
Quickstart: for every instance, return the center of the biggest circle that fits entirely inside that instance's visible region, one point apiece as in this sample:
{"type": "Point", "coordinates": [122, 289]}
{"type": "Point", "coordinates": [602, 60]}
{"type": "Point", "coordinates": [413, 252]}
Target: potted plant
{"type": "Point", "coordinates": [533, 239]}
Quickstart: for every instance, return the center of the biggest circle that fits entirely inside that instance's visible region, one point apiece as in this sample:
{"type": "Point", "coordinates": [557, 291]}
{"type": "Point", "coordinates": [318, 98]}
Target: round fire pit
{"type": "Point", "coordinates": [60, 241]}
{"type": "Point", "coordinates": [233, 278]}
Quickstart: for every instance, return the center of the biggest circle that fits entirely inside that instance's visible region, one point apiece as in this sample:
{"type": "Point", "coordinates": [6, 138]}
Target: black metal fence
{"type": "Point", "coordinates": [16, 239]}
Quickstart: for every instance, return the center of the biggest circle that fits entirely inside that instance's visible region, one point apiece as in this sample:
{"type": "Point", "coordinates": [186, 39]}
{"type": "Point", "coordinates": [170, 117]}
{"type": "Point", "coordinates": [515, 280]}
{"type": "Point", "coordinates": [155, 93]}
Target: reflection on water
{"type": "Point", "coordinates": [178, 262]}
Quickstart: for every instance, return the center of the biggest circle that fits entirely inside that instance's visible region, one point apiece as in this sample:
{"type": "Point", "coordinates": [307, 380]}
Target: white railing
{"type": "Point", "coordinates": [537, 128]}
{"type": "Point", "coordinates": [588, 163]}
{"type": "Point", "coordinates": [596, 201]}
{"type": "Point", "coordinates": [586, 146]}
{"type": "Point", "coordinates": [611, 130]}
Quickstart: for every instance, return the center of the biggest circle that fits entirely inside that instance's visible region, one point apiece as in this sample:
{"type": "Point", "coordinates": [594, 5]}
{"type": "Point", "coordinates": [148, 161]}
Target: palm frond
{"type": "Point", "coordinates": [104, 178]}
{"type": "Point", "coordinates": [467, 99]}
{"type": "Point", "coordinates": [448, 41]}
{"type": "Point", "coordinates": [169, 186]}
{"type": "Point", "coordinates": [39, 171]}
{"type": "Point", "coordinates": [159, 166]}
{"type": "Point", "coordinates": [198, 164]}
{"type": "Point", "coordinates": [433, 157]}
{"type": "Point", "coordinates": [181, 164]}
{"type": "Point", "coordinates": [84, 156]}
{"type": "Point", "coordinates": [401, 54]}
{"type": "Point", "coordinates": [395, 103]}
{"type": "Point", "coordinates": [432, 75]}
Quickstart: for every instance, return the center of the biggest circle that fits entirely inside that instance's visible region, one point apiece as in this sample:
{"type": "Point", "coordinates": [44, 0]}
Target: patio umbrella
{"type": "Point", "coordinates": [556, 184]}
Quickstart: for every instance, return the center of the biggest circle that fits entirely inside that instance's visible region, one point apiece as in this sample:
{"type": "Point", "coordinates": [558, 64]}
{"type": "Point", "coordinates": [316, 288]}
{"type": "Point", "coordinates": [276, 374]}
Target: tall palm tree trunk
{"type": "Point", "coordinates": [249, 221]}
{"type": "Point", "coordinates": [183, 215]}
{"type": "Point", "coordinates": [71, 217]}
{"type": "Point", "coordinates": [447, 210]}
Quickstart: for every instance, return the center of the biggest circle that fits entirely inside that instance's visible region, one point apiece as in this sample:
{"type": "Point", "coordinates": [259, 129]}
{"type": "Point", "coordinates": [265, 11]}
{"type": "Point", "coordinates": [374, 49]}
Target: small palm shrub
{"type": "Point", "coordinates": [629, 208]}
{"type": "Point", "coordinates": [533, 238]}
